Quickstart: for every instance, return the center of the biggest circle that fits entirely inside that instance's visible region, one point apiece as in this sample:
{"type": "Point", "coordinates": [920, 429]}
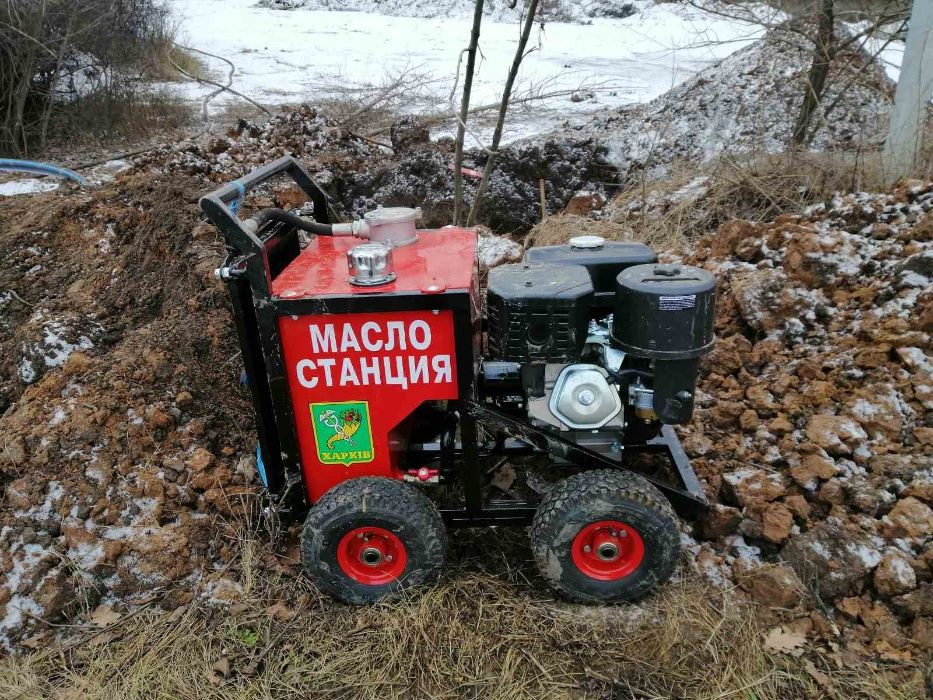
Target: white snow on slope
{"type": "Point", "coordinates": [26, 186]}
{"type": "Point", "coordinates": [501, 10]}
{"type": "Point", "coordinates": [889, 51]}
{"type": "Point", "coordinates": [746, 103]}
{"type": "Point", "coordinates": [281, 55]}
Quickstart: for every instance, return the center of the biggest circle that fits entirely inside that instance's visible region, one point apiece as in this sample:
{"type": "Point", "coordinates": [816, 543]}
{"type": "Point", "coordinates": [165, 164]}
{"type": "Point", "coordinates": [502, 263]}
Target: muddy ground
{"type": "Point", "coordinates": [126, 468]}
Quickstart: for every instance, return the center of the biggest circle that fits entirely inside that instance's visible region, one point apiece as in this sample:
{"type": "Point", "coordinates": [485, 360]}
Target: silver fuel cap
{"type": "Point", "coordinates": [370, 264]}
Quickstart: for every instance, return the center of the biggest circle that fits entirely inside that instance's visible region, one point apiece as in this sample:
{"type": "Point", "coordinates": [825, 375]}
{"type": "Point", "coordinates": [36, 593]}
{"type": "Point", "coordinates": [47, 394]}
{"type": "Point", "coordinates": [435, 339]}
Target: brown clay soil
{"type": "Point", "coordinates": [815, 433]}
{"type": "Point", "coordinates": [124, 423]}
{"type": "Point", "coordinates": [126, 473]}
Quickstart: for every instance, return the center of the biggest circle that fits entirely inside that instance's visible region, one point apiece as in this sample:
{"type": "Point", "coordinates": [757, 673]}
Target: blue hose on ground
{"type": "Point", "coordinates": [30, 166]}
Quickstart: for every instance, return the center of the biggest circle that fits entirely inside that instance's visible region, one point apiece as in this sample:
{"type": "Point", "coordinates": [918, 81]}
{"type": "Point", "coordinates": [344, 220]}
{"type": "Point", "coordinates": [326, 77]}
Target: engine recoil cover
{"type": "Point", "coordinates": [583, 399]}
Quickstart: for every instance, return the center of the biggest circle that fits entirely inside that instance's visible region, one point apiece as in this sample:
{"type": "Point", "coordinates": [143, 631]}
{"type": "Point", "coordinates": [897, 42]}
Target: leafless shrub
{"type": "Point", "coordinates": [368, 106]}
{"type": "Point", "coordinates": [165, 59]}
{"type": "Point", "coordinates": [67, 57]}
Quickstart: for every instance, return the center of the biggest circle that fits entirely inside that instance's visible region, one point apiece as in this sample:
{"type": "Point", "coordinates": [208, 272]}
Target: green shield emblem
{"type": "Point", "coordinates": [342, 432]}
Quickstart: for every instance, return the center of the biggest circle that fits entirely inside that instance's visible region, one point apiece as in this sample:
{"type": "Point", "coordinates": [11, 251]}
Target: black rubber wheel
{"type": "Point", "coordinates": [370, 538]}
{"type": "Point", "coordinates": [605, 536]}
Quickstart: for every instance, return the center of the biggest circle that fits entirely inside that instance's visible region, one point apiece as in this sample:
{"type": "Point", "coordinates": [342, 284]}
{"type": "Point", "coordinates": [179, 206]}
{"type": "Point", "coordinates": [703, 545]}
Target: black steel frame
{"type": "Point", "coordinates": [252, 263]}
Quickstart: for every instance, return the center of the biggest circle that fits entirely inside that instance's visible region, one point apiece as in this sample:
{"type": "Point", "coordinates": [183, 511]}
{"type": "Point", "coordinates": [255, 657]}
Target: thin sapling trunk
{"type": "Point", "coordinates": [503, 109]}
{"type": "Point", "coordinates": [464, 110]}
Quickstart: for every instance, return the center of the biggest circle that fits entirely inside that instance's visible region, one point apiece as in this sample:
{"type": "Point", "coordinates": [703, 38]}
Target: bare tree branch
{"type": "Point", "coordinates": [208, 81]}
{"type": "Point", "coordinates": [465, 108]}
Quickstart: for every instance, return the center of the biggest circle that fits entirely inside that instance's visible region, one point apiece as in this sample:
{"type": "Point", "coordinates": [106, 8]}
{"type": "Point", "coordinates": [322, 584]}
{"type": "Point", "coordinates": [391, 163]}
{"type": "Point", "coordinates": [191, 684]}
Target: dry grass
{"type": "Point", "coordinates": [757, 189]}
{"type": "Point", "coordinates": [559, 228]}
{"type": "Point", "coordinates": [99, 118]}
{"type": "Point", "coordinates": [670, 214]}
{"type": "Point", "coordinates": [45, 47]}
{"type": "Point", "coordinates": [488, 630]}
{"type": "Point", "coordinates": [161, 61]}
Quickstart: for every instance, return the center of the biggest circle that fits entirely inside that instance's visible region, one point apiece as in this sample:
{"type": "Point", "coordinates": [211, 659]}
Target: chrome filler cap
{"type": "Point", "coordinates": [370, 264]}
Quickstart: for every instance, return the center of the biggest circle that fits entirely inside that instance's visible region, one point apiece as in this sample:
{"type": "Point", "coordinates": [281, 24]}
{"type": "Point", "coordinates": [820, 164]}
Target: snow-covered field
{"type": "Point", "coordinates": [281, 56]}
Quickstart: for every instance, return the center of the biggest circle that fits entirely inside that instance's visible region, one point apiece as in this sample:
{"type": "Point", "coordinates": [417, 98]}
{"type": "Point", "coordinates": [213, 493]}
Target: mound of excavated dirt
{"type": "Point", "coordinates": [815, 428]}
{"type": "Point", "coordinates": [125, 433]}
{"type": "Point", "coordinates": [125, 441]}
{"type": "Point", "coordinates": [125, 437]}
{"type": "Point", "coordinates": [358, 175]}
{"type": "Point", "coordinates": [748, 103]}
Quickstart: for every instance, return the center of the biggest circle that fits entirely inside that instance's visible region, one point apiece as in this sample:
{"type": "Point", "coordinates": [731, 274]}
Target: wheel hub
{"type": "Point", "coordinates": [372, 556]}
{"type": "Point", "coordinates": [608, 550]}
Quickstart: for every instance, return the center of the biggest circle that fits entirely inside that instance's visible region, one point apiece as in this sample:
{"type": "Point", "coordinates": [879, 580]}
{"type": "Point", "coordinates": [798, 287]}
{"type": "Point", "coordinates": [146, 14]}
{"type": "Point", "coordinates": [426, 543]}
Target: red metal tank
{"type": "Point", "coordinates": [372, 355]}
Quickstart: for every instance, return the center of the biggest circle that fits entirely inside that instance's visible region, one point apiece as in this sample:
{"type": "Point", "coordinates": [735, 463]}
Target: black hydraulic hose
{"type": "Point", "coordinates": [273, 214]}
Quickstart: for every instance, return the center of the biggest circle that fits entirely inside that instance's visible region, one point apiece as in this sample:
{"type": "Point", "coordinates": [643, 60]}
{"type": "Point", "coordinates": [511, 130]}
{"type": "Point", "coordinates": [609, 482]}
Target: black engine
{"type": "Point", "coordinates": [597, 338]}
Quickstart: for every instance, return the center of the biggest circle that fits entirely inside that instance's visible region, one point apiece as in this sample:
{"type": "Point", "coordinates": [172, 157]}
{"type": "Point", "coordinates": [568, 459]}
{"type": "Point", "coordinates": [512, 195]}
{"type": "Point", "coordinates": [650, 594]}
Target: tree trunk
{"type": "Point", "coordinates": [20, 131]}
{"type": "Point", "coordinates": [914, 92]}
{"type": "Point", "coordinates": [464, 110]}
{"type": "Point", "coordinates": [819, 69]}
{"type": "Point", "coordinates": [503, 108]}
{"type": "Point", "coordinates": [49, 106]}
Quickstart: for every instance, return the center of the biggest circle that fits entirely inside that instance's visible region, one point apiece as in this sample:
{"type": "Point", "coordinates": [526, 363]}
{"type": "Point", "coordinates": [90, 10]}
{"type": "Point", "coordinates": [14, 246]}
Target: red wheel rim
{"type": "Point", "coordinates": [608, 550]}
{"type": "Point", "coordinates": [372, 556]}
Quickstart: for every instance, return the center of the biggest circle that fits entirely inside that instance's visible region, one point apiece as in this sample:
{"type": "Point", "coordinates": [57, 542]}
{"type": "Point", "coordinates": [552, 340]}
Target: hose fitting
{"type": "Point", "coordinates": [257, 220]}
{"type": "Point", "coordinates": [360, 229]}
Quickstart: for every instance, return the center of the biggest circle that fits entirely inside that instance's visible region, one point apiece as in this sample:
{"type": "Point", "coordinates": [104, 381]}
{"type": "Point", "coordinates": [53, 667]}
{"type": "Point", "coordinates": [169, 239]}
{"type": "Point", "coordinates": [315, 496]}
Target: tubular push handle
{"type": "Point", "coordinates": [216, 205]}
{"type": "Point", "coordinates": [231, 191]}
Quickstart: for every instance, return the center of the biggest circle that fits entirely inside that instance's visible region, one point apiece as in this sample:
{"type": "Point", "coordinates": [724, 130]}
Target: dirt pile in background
{"type": "Point", "coordinates": [358, 174]}
{"type": "Point", "coordinates": [748, 103]}
{"type": "Point", "coordinates": [814, 432]}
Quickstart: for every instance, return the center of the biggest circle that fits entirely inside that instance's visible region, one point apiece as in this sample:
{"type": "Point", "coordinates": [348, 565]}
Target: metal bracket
{"type": "Point", "coordinates": [688, 499]}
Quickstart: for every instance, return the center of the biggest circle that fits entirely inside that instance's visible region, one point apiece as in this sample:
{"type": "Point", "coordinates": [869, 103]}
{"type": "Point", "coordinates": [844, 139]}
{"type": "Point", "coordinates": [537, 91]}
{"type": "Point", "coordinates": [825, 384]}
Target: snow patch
{"type": "Point", "coordinates": [28, 186]}
{"type": "Point", "coordinates": [869, 556]}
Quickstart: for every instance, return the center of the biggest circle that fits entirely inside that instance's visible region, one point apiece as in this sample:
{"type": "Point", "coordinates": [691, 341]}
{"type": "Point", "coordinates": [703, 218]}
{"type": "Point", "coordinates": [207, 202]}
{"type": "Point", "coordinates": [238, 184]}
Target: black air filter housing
{"type": "Point", "coordinates": [665, 313]}
{"type": "Point", "coordinates": [538, 312]}
{"type": "Point", "coordinates": [604, 260]}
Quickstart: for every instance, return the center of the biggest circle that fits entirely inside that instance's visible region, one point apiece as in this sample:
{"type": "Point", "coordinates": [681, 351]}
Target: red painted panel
{"type": "Point", "coordinates": [440, 258]}
{"type": "Point", "coordinates": [354, 378]}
